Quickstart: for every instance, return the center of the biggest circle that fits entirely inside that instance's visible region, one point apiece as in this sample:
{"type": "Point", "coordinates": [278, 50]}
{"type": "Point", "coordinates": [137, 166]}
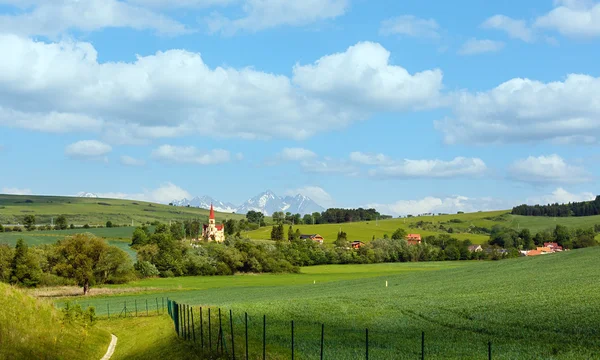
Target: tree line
{"type": "Point", "coordinates": [583, 208]}
{"type": "Point", "coordinates": [577, 238]}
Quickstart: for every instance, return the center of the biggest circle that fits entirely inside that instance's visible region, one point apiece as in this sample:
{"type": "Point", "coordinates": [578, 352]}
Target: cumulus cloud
{"type": "Point", "coordinates": [524, 110]}
{"type": "Point", "coordinates": [88, 149]}
{"type": "Point", "coordinates": [328, 165]}
{"type": "Point", "coordinates": [574, 18]}
{"type": "Point", "coordinates": [182, 3]}
{"type": "Point", "coordinates": [131, 161]}
{"type": "Point", "coordinates": [191, 155]}
{"type": "Point", "coordinates": [164, 194]}
{"type": "Point", "coordinates": [432, 204]}
{"type": "Point", "coordinates": [316, 193]}
{"type": "Point", "coordinates": [363, 76]}
{"type": "Point", "coordinates": [476, 46]}
{"type": "Point", "coordinates": [560, 196]}
{"type": "Point", "coordinates": [265, 14]}
{"type": "Point", "coordinates": [296, 154]}
{"type": "Point", "coordinates": [516, 29]}
{"type": "Point", "coordinates": [410, 25]}
{"type": "Point", "coordinates": [16, 191]}
{"type": "Point", "coordinates": [547, 169]}
{"type": "Point", "coordinates": [51, 18]}
{"type": "Point", "coordinates": [369, 159]}
{"type": "Point", "coordinates": [174, 93]}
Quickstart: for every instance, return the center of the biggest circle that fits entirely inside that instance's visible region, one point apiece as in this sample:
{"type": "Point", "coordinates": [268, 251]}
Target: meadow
{"type": "Point", "coordinates": [529, 308]}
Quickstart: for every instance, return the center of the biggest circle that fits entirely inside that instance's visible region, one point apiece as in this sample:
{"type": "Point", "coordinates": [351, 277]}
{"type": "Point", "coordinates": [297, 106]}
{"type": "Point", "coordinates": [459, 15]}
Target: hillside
{"type": "Point", "coordinates": [32, 329]}
{"type": "Point", "coordinates": [95, 211]}
{"type": "Point", "coordinates": [460, 224]}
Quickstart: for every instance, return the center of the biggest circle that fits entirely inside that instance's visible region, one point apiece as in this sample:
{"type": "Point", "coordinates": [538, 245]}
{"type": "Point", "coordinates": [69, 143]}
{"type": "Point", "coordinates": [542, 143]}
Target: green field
{"type": "Point", "coordinates": [529, 308]}
{"type": "Point", "coordinates": [94, 211]}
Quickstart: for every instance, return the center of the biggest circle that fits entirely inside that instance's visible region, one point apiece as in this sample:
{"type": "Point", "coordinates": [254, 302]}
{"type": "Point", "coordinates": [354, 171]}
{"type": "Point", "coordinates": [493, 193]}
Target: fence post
{"type": "Point", "coordinates": [232, 336]}
{"type": "Point", "coordinates": [201, 329]}
{"type": "Point", "coordinates": [193, 325]}
{"type": "Point", "coordinates": [220, 331]}
{"type": "Point", "coordinates": [422, 345]}
{"type": "Point", "coordinates": [163, 304]}
{"type": "Point", "coordinates": [209, 332]}
{"type": "Point", "coordinates": [292, 339]}
{"type": "Point", "coordinates": [367, 343]}
{"type": "Point", "coordinates": [322, 339]}
{"type": "Point", "coordinates": [190, 322]}
{"type": "Point", "coordinates": [125, 307]}
{"type": "Point", "coordinates": [157, 312]}
{"type": "Point", "coordinates": [264, 337]}
{"type": "Point", "coordinates": [175, 316]}
{"type": "Point", "coordinates": [489, 350]}
{"type": "Point", "coordinates": [135, 300]}
{"type": "Point", "coordinates": [108, 308]}
{"type": "Point", "coordinates": [146, 307]}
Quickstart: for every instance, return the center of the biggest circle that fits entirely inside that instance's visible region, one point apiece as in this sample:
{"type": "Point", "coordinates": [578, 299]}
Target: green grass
{"type": "Point", "coordinates": [530, 308]}
{"type": "Point", "coordinates": [32, 329]}
{"type": "Point", "coordinates": [80, 211]}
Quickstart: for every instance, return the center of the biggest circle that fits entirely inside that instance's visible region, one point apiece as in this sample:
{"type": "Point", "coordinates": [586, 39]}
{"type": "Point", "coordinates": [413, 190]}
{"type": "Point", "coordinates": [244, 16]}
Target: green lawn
{"type": "Point", "coordinates": [529, 308]}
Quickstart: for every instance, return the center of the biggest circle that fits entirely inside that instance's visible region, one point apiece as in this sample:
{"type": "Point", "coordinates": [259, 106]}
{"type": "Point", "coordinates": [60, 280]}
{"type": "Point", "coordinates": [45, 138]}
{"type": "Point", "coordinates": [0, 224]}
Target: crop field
{"type": "Point", "coordinates": [529, 308]}
{"type": "Point", "coordinates": [94, 211]}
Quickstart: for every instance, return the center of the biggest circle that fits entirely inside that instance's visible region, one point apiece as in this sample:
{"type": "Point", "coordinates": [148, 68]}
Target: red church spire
{"type": "Point", "coordinates": [212, 212]}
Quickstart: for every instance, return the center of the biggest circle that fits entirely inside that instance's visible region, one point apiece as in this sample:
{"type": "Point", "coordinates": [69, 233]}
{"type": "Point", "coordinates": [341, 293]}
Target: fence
{"type": "Point", "coordinates": [126, 308]}
{"type": "Point", "coordinates": [187, 326]}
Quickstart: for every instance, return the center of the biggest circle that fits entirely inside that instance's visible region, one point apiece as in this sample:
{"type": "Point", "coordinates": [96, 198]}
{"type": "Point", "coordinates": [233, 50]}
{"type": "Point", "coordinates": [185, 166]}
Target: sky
{"type": "Point", "coordinates": [407, 106]}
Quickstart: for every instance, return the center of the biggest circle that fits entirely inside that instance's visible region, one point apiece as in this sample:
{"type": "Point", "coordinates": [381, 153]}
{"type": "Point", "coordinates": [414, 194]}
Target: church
{"type": "Point", "coordinates": [213, 231]}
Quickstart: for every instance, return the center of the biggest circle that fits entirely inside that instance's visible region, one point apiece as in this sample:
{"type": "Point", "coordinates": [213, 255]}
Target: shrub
{"type": "Point", "coordinates": [147, 269]}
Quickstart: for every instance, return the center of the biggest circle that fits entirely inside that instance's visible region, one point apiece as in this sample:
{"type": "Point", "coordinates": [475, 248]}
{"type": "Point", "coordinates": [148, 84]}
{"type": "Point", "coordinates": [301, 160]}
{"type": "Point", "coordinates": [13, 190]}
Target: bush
{"type": "Point", "coordinates": [146, 269]}
{"type": "Point", "coordinates": [1, 228]}
{"type": "Point", "coordinates": [86, 226]}
{"type": "Point", "coordinates": [109, 224]}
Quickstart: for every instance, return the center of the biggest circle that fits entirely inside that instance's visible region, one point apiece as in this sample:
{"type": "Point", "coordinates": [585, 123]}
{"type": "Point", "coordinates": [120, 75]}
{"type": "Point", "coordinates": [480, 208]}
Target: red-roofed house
{"type": "Point", "coordinates": [413, 239]}
{"type": "Point", "coordinates": [314, 237]}
{"type": "Point", "coordinates": [554, 246]}
{"type": "Point", "coordinates": [357, 244]}
{"type": "Point", "coordinates": [212, 230]}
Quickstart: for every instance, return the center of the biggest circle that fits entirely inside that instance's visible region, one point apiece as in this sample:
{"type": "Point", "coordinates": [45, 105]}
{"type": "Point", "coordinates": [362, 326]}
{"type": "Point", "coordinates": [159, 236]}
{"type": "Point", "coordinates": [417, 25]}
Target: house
{"type": "Point", "coordinates": [554, 246]}
{"type": "Point", "coordinates": [413, 239]}
{"type": "Point", "coordinates": [212, 230]}
{"type": "Point", "coordinates": [314, 237]}
{"type": "Point", "coordinates": [357, 244]}
{"type": "Point", "coordinates": [533, 253]}
{"type": "Point", "coordinates": [545, 250]}
{"type": "Point", "coordinates": [475, 248]}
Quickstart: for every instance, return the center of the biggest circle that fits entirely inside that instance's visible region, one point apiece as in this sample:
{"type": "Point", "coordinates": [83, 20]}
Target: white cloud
{"type": "Point", "coordinates": [182, 3]}
{"type": "Point", "coordinates": [190, 154]}
{"type": "Point", "coordinates": [459, 166]}
{"type": "Point", "coordinates": [265, 14]}
{"type": "Point", "coordinates": [431, 204]}
{"type": "Point", "coordinates": [369, 159]}
{"type": "Point", "coordinates": [516, 29]}
{"type": "Point", "coordinates": [131, 161]}
{"type": "Point", "coordinates": [410, 25]}
{"type": "Point", "coordinates": [16, 191]}
{"type": "Point", "coordinates": [165, 193]}
{"type": "Point", "coordinates": [174, 93]}
{"type": "Point", "coordinates": [363, 78]}
{"type": "Point", "coordinates": [548, 169]}
{"type": "Point", "coordinates": [296, 154]}
{"type": "Point", "coordinates": [560, 196]}
{"type": "Point", "coordinates": [316, 193]}
{"type": "Point", "coordinates": [475, 46]}
{"type": "Point", "coordinates": [329, 166]}
{"type": "Point", "coordinates": [575, 18]}
{"type": "Point", "coordinates": [523, 110]}
{"type": "Point", "coordinates": [88, 149]}
{"type": "Point", "coordinates": [52, 18]}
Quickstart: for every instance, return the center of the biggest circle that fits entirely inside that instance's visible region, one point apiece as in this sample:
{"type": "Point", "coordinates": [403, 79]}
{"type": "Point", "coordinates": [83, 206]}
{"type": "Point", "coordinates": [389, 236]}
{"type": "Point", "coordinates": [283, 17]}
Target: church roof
{"type": "Point", "coordinates": [212, 212]}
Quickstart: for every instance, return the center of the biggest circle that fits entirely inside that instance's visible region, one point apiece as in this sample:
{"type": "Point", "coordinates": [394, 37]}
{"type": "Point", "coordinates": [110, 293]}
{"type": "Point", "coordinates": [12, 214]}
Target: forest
{"type": "Point", "coordinates": [583, 208]}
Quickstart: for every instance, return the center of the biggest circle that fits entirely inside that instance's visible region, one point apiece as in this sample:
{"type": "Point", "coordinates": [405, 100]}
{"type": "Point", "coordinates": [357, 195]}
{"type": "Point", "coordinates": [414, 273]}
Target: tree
{"type": "Point", "coordinates": [71, 226]}
{"type": "Point", "coordinates": [61, 222]}
{"type": "Point", "coordinates": [1, 228]}
{"type": "Point", "coordinates": [562, 236]}
{"type": "Point", "coordinates": [229, 227]}
{"type": "Point", "coordinates": [83, 257]}
{"type": "Point", "coordinates": [277, 233]}
{"type": "Point", "coordinates": [400, 233]}
{"type": "Point", "coordinates": [290, 233]}
{"type": "Point", "coordinates": [297, 219]}
{"type": "Point", "coordinates": [109, 224]}
{"type": "Point", "coordinates": [29, 222]}
{"type": "Point", "coordinates": [255, 217]}
{"type": "Point", "coordinates": [278, 217]}
{"type": "Point", "coordinates": [307, 219]}
{"type": "Point", "coordinates": [177, 230]}
{"type": "Point", "coordinates": [139, 237]}
{"type": "Point", "coordinates": [526, 239]}
{"type": "Point", "coordinates": [25, 270]}
{"type": "Point", "coordinates": [342, 240]}
{"type": "Point", "coordinates": [6, 258]}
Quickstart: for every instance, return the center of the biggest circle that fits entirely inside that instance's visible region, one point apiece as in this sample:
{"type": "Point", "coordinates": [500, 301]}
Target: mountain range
{"type": "Point", "coordinates": [266, 202]}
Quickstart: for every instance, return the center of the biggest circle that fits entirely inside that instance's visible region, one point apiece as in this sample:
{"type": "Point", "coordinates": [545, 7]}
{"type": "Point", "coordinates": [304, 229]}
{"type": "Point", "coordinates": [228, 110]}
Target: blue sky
{"type": "Point", "coordinates": [411, 106]}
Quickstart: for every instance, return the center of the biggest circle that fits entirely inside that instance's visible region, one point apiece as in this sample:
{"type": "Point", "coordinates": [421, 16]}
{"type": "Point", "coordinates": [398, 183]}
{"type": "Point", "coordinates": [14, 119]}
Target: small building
{"type": "Point", "coordinates": [533, 253]}
{"type": "Point", "coordinates": [475, 248]}
{"type": "Point", "coordinates": [314, 237]}
{"type": "Point", "coordinates": [357, 244]}
{"type": "Point", "coordinates": [554, 246]}
{"type": "Point", "coordinates": [413, 239]}
{"type": "Point", "coordinates": [212, 230]}
{"type": "Point", "coordinates": [545, 250]}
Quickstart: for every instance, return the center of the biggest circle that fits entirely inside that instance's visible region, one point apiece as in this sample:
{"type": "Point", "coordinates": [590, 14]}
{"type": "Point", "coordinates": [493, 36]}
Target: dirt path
{"type": "Point", "coordinates": [111, 348]}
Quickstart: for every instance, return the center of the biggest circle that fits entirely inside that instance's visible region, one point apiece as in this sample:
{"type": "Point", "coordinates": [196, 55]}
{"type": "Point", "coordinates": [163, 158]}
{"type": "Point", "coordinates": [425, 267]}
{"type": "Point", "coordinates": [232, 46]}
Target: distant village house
{"type": "Point", "coordinates": [357, 244]}
{"type": "Point", "coordinates": [413, 239]}
{"type": "Point", "coordinates": [314, 237]}
{"type": "Point", "coordinates": [475, 248]}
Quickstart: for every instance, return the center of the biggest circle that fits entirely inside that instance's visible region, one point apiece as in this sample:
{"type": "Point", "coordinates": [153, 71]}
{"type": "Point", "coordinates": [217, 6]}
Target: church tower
{"type": "Point", "coordinates": [212, 230]}
{"type": "Point", "coordinates": [211, 216]}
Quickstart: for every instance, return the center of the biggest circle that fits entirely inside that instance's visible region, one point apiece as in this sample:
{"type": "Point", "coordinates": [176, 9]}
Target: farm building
{"type": "Point", "coordinates": [314, 237]}
{"type": "Point", "coordinates": [212, 230]}
{"type": "Point", "coordinates": [413, 239]}
{"type": "Point", "coordinates": [475, 248]}
{"type": "Point", "coordinates": [554, 246]}
{"type": "Point", "coordinates": [357, 244]}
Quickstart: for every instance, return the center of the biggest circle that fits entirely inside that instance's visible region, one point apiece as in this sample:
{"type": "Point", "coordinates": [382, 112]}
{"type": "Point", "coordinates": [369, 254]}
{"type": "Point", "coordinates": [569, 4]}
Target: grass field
{"type": "Point", "coordinates": [94, 211]}
{"type": "Point", "coordinates": [530, 308]}
{"type": "Point", "coordinates": [32, 329]}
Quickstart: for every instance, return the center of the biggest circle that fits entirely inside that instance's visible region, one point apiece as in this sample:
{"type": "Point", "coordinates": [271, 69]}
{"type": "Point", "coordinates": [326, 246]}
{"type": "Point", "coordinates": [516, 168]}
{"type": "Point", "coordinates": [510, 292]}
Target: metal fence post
{"type": "Point", "coordinates": [147, 307]}
{"type": "Point", "coordinates": [292, 339]}
{"type": "Point", "coordinates": [108, 309]}
{"type": "Point", "coordinates": [135, 301]}
{"type": "Point", "coordinates": [157, 309]}
{"type": "Point", "coordinates": [220, 331]}
{"type": "Point", "coordinates": [264, 337]}
{"type": "Point", "coordinates": [322, 339]}
{"type": "Point", "coordinates": [193, 325]}
{"type": "Point", "coordinates": [201, 329]}
{"type": "Point", "coordinates": [367, 344]}
{"type": "Point", "coordinates": [489, 350]}
{"type": "Point", "coordinates": [232, 336]}
{"type": "Point", "coordinates": [422, 345]}
{"type": "Point", "coordinates": [163, 305]}
{"type": "Point", "coordinates": [209, 331]}
{"type": "Point", "coordinates": [246, 316]}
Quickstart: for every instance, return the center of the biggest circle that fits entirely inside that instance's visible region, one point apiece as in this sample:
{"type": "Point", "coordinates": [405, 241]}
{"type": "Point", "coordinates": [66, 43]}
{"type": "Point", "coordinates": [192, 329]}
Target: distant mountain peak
{"type": "Point", "coordinates": [266, 202]}
{"type": "Point", "coordinates": [87, 195]}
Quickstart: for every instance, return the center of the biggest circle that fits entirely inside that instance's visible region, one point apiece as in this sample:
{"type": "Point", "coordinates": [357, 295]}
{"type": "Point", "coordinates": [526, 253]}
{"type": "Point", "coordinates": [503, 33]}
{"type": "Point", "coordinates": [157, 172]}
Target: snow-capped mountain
{"type": "Point", "coordinates": [204, 202]}
{"type": "Point", "coordinates": [87, 195]}
{"type": "Point", "coordinates": [266, 202]}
